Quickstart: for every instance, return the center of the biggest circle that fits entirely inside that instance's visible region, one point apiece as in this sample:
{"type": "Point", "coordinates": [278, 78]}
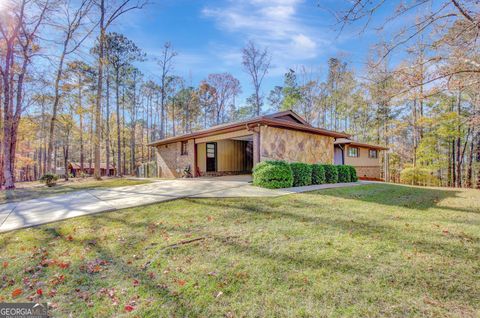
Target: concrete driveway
{"type": "Point", "coordinates": [55, 208]}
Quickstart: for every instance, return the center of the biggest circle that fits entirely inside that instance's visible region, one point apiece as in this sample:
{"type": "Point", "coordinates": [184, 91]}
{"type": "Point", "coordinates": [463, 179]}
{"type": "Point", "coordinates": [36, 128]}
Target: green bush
{"type": "Point", "coordinates": [418, 176]}
{"type": "Point", "coordinates": [353, 174]}
{"type": "Point", "coordinates": [318, 174]}
{"type": "Point", "coordinates": [331, 173]}
{"type": "Point", "coordinates": [343, 173]}
{"type": "Point", "coordinates": [302, 174]}
{"type": "Point", "coordinates": [272, 174]}
{"type": "Point", "coordinates": [49, 179]}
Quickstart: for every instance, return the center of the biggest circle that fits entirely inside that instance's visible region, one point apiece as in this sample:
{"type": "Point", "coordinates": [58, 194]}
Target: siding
{"type": "Point", "coordinates": [363, 160]}
{"type": "Point", "coordinates": [231, 156]}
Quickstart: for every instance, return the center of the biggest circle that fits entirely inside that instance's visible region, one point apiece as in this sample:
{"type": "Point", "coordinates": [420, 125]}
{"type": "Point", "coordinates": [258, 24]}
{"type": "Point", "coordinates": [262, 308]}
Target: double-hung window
{"type": "Point", "coordinates": [353, 152]}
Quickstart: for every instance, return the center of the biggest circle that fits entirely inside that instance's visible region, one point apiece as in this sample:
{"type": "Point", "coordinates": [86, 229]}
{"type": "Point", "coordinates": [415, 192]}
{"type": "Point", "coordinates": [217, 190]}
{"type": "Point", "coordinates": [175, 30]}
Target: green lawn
{"type": "Point", "coordinates": [32, 190]}
{"type": "Point", "coordinates": [366, 251]}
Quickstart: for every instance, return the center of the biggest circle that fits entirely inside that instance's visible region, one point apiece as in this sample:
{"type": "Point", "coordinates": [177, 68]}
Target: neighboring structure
{"type": "Point", "coordinates": [235, 148]}
{"type": "Point", "coordinates": [364, 157]}
{"type": "Point", "coordinates": [75, 170]}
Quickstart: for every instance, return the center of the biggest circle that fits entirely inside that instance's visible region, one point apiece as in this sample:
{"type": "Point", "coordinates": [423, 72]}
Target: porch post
{"type": "Point", "coordinates": [256, 147]}
{"type": "Point", "coordinates": [194, 170]}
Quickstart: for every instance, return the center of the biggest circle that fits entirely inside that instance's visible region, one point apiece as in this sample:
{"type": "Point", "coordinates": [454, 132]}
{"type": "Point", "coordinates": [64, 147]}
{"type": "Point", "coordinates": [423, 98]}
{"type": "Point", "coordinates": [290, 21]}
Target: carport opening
{"type": "Point", "coordinates": [230, 156]}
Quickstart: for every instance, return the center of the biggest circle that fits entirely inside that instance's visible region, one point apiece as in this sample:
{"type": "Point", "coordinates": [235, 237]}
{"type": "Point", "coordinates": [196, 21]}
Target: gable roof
{"type": "Point", "coordinates": [286, 119]}
{"type": "Point", "coordinates": [289, 115]}
{"type": "Point", "coordinates": [346, 141]}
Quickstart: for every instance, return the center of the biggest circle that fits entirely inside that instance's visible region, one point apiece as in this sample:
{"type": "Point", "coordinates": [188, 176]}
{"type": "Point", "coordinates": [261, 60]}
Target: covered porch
{"type": "Point", "coordinates": [226, 154]}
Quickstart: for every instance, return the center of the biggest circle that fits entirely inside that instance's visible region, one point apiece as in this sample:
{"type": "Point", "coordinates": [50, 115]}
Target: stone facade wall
{"type": "Point", "coordinates": [171, 162]}
{"type": "Point", "coordinates": [293, 145]}
{"type": "Point", "coordinates": [369, 172]}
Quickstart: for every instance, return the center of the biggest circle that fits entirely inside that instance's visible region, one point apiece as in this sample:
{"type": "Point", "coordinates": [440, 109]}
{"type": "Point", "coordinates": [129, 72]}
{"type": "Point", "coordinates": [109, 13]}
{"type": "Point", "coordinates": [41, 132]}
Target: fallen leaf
{"type": "Point", "coordinates": [52, 293]}
{"type": "Point", "coordinates": [39, 292]}
{"type": "Point", "coordinates": [64, 265]}
{"type": "Point", "coordinates": [17, 292]}
{"type": "Point", "coordinates": [129, 308]}
{"type": "Point", "coordinates": [136, 282]}
{"type": "Point", "coordinates": [5, 264]}
{"type": "Point", "coordinates": [181, 282]}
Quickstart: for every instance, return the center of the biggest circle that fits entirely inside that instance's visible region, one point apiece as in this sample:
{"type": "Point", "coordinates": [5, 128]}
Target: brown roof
{"type": "Point", "coordinates": [269, 120]}
{"type": "Point", "coordinates": [346, 141]}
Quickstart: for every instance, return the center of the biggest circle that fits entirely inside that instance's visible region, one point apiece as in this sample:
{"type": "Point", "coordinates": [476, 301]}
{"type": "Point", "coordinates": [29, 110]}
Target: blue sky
{"type": "Point", "coordinates": [209, 36]}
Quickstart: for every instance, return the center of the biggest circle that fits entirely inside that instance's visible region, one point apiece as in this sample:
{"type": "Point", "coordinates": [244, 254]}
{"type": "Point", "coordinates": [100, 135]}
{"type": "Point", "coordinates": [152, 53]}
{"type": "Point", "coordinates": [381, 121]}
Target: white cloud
{"type": "Point", "coordinates": [275, 24]}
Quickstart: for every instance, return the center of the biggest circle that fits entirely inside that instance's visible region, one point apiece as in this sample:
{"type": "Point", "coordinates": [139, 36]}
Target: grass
{"type": "Point", "coordinates": [365, 251]}
{"type": "Point", "coordinates": [32, 190]}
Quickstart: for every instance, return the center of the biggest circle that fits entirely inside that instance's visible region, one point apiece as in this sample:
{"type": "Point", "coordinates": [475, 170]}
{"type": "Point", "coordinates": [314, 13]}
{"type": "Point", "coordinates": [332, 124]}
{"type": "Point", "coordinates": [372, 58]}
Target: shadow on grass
{"type": "Point", "coordinates": [400, 196]}
{"type": "Point", "coordinates": [367, 229]}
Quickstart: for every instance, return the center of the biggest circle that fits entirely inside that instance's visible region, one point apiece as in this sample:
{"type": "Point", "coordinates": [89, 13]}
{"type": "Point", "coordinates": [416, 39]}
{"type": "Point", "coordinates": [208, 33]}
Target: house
{"type": "Point", "coordinates": [235, 148]}
{"type": "Point", "coordinates": [364, 157]}
{"type": "Point", "coordinates": [75, 170]}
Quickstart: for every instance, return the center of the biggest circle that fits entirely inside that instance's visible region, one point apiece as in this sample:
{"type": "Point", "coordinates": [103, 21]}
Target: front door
{"type": "Point", "coordinates": [338, 156]}
{"type": "Point", "coordinates": [211, 156]}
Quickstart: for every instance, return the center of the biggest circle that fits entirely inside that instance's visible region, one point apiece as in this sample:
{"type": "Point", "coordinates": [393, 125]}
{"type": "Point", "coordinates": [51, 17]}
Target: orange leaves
{"type": "Point", "coordinates": [95, 266]}
{"type": "Point", "coordinates": [181, 282]}
{"type": "Point", "coordinates": [63, 265]}
{"type": "Point", "coordinates": [5, 264]}
{"type": "Point", "coordinates": [57, 279]}
{"type": "Point", "coordinates": [17, 292]}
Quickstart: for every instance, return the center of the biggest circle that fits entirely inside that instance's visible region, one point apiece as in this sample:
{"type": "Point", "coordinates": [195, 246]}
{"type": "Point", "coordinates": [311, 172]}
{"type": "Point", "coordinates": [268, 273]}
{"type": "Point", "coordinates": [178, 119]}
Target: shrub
{"type": "Point", "coordinates": [418, 176]}
{"type": "Point", "coordinates": [318, 174]}
{"type": "Point", "coordinates": [331, 173]}
{"type": "Point", "coordinates": [343, 173]}
{"type": "Point", "coordinates": [272, 174]}
{"type": "Point", "coordinates": [302, 174]}
{"type": "Point", "coordinates": [49, 179]}
{"type": "Point", "coordinates": [353, 174]}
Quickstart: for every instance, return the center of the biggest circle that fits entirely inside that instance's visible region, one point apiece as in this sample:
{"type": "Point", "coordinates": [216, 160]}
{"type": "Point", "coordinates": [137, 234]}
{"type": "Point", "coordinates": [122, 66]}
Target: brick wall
{"type": "Point", "coordinates": [171, 162]}
{"type": "Point", "coordinates": [372, 172]}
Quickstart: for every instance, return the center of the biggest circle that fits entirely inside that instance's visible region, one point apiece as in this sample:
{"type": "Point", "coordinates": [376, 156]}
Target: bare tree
{"type": "Point", "coordinates": [109, 12]}
{"type": "Point", "coordinates": [226, 88]}
{"type": "Point", "coordinates": [74, 22]}
{"type": "Point", "coordinates": [256, 62]}
{"type": "Point", "coordinates": [19, 26]}
{"type": "Point", "coordinates": [166, 65]}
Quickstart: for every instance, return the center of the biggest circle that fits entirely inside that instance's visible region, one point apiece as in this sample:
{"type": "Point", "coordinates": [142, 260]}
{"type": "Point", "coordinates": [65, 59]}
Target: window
{"type": "Point", "coordinates": [372, 153]}
{"type": "Point", "coordinates": [353, 152]}
{"type": "Point", "coordinates": [184, 148]}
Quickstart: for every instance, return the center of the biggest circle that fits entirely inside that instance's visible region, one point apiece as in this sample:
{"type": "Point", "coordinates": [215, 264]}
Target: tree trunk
{"type": "Point", "coordinates": [119, 145]}
{"type": "Point", "coordinates": [107, 133]}
{"type": "Point", "coordinates": [56, 101]}
{"type": "Point", "coordinates": [98, 101]}
{"type": "Point", "coordinates": [470, 163]}
{"type": "Point", "coordinates": [458, 146]}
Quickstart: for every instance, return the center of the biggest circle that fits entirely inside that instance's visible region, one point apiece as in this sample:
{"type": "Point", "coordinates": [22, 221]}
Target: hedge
{"type": "Point", "coordinates": [353, 174]}
{"type": "Point", "coordinates": [331, 173]}
{"type": "Point", "coordinates": [272, 174]}
{"type": "Point", "coordinates": [318, 174]}
{"type": "Point", "coordinates": [302, 174]}
{"type": "Point", "coordinates": [343, 173]}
